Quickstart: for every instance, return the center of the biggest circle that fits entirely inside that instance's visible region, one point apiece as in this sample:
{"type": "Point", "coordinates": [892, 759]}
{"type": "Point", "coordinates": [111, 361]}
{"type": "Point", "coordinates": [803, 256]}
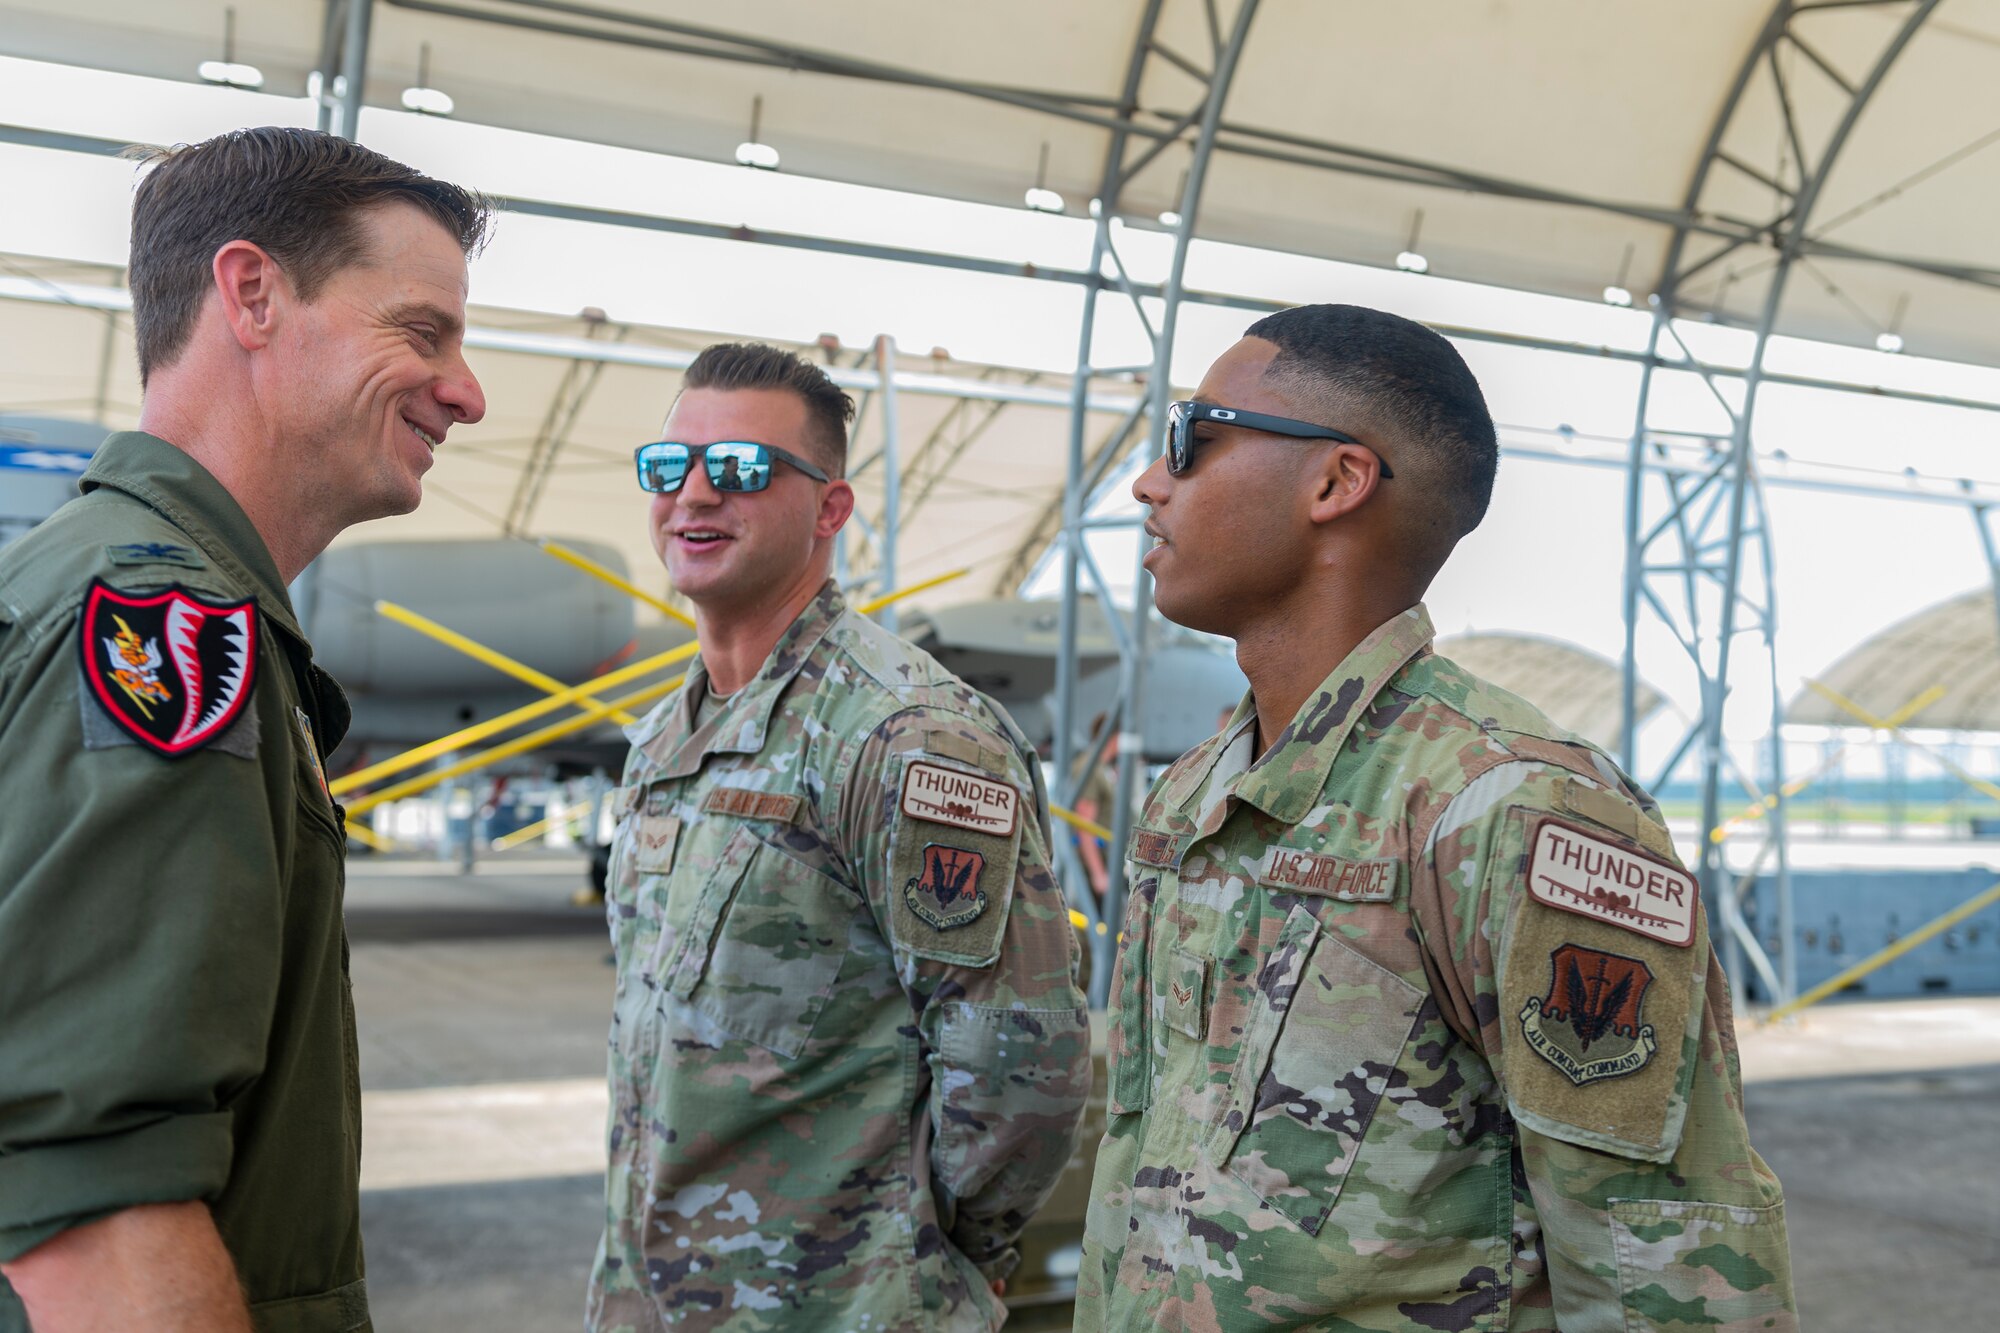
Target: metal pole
{"type": "Point", "coordinates": [892, 477]}
{"type": "Point", "coordinates": [354, 67]}
{"type": "Point", "coordinates": [1131, 740]}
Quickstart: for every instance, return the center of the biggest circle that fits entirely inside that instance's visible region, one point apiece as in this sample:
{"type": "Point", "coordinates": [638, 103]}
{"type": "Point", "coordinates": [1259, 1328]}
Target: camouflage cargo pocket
{"type": "Point", "coordinates": [1325, 1034]}
{"type": "Point", "coordinates": [1687, 1266]}
{"type": "Point", "coordinates": [760, 954]}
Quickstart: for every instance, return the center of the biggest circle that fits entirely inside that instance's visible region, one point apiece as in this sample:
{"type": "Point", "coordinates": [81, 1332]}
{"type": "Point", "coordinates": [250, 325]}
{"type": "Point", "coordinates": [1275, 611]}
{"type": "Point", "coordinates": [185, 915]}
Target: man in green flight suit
{"type": "Point", "coordinates": [1416, 1024]}
{"type": "Point", "coordinates": [848, 1054]}
{"type": "Point", "coordinates": [179, 1091]}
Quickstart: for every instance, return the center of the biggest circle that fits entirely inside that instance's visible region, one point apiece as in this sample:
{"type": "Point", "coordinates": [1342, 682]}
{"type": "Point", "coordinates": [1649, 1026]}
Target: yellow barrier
{"type": "Point", "coordinates": [1082, 825]}
{"type": "Point", "coordinates": [1894, 727]}
{"type": "Point", "coordinates": [479, 652]}
{"type": "Point", "coordinates": [1757, 809]}
{"type": "Point", "coordinates": [577, 560]}
{"type": "Point", "coordinates": [1888, 955]}
{"type": "Point", "coordinates": [529, 832]}
{"type": "Point", "coordinates": [368, 837]}
{"type": "Point", "coordinates": [479, 731]}
{"type": "Point", "coordinates": [536, 739]}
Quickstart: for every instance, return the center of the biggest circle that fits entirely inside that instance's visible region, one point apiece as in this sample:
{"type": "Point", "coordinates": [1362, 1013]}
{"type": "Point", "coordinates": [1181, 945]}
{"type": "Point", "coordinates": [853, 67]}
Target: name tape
{"type": "Point", "coordinates": [747, 804]}
{"type": "Point", "coordinates": [1323, 876]}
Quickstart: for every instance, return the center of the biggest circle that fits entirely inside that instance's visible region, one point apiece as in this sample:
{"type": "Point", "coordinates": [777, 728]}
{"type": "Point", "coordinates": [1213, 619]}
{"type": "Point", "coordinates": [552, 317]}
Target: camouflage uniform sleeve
{"type": "Point", "coordinates": [983, 946]}
{"type": "Point", "coordinates": [1571, 947]}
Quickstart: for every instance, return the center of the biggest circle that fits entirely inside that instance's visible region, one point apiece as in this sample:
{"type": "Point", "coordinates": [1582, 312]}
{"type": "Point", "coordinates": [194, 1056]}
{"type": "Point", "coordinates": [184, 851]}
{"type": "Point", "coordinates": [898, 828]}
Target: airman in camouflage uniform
{"type": "Point", "coordinates": [848, 1054]}
{"type": "Point", "coordinates": [1416, 1025]}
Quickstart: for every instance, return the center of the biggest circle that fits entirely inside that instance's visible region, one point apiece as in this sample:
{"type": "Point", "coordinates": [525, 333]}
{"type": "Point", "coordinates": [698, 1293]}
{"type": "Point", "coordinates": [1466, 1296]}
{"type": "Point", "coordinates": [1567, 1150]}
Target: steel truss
{"type": "Point", "coordinates": [1129, 153]}
{"type": "Point", "coordinates": [1698, 550]}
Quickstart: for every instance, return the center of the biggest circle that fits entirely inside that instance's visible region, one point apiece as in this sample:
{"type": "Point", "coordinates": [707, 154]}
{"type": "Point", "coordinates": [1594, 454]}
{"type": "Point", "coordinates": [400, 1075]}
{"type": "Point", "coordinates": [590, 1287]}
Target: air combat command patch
{"type": "Point", "coordinates": [946, 892]}
{"type": "Point", "coordinates": [171, 670]}
{"type": "Point", "coordinates": [1589, 1024]}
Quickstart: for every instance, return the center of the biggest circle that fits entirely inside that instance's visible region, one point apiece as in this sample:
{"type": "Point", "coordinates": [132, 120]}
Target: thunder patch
{"type": "Point", "coordinates": [954, 853]}
{"type": "Point", "coordinates": [171, 670]}
{"type": "Point", "coordinates": [963, 800]}
{"type": "Point", "coordinates": [1577, 871]}
{"type": "Point", "coordinates": [1590, 1024]}
{"type": "Point", "coordinates": [946, 892]}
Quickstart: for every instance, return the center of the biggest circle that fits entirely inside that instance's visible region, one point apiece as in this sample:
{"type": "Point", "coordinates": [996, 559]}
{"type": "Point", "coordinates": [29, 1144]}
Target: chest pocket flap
{"type": "Point", "coordinates": [764, 944]}
{"type": "Point", "coordinates": [1327, 1030]}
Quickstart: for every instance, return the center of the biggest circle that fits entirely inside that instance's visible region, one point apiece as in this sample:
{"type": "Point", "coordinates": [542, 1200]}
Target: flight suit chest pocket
{"type": "Point", "coordinates": [1327, 1030]}
{"type": "Point", "coordinates": [763, 944]}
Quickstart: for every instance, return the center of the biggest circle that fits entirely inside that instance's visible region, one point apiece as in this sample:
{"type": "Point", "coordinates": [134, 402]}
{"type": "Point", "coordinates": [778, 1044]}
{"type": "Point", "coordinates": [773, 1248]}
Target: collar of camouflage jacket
{"type": "Point", "coordinates": [672, 740]}
{"type": "Point", "coordinates": [157, 474]}
{"type": "Point", "coordinates": [1285, 782]}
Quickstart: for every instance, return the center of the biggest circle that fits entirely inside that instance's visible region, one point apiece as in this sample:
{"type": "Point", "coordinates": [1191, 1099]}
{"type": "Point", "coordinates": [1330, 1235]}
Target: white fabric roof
{"type": "Point", "coordinates": [1561, 97]}
{"type": "Point", "coordinates": [1578, 689]}
{"type": "Point", "coordinates": [1954, 645]}
{"type": "Point", "coordinates": [981, 487]}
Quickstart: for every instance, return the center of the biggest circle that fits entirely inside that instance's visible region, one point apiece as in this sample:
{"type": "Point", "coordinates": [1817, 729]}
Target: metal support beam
{"type": "Point", "coordinates": [1705, 530]}
{"type": "Point", "coordinates": [354, 68]}
{"type": "Point", "coordinates": [892, 478]}
{"type": "Point", "coordinates": [572, 394]}
{"type": "Point", "coordinates": [1121, 164]}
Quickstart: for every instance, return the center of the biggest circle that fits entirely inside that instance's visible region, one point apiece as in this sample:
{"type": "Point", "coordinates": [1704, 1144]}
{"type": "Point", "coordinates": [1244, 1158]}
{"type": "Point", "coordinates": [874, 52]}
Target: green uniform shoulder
{"type": "Point", "coordinates": [107, 535]}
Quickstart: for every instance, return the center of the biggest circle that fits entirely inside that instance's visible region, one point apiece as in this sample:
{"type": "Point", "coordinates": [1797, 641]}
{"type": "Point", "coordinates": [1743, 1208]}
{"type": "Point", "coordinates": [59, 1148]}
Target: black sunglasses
{"type": "Point", "coordinates": [1182, 417]}
{"type": "Point", "coordinates": [732, 465]}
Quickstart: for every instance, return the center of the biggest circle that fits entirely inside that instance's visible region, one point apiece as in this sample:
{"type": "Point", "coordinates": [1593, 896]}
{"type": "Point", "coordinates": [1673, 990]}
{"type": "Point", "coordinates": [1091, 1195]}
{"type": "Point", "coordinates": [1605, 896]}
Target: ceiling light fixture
{"type": "Point", "coordinates": [424, 99]}
{"type": "Point", "coordinates": [1170, 216]}
{"type": "Point", "coordinates": [1041, 198]}
{"type": "Point", "coordinates": [1618, 293]}
{"type": "Point", "coordinates": [753, 151]}
{"type": "Point", "coordinates": [227, 71]}
{"type": "Point", "coordinates": [1889, 340]}
{"type": "Point", "coordinates": [1411, 260]}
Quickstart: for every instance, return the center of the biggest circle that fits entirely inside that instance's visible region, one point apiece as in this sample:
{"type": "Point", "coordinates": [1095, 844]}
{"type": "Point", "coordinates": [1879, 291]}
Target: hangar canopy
{"type": "Point", "coordinates": [1954, 646]}
{"type": "Point", "coordinates": [1547, 146]}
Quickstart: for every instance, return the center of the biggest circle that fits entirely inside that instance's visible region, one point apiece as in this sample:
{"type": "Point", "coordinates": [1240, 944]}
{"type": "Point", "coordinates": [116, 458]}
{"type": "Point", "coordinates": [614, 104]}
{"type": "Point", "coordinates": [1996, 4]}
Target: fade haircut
{"type": "Point", "coordinates": [760, 366]}
{"type": "Point", "coordinates": [297, 194]}
{"type": "Point", "coordinates": [1414, 385]}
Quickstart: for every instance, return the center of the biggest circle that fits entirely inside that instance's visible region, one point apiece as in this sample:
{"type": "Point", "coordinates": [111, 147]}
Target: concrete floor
{"type": "Point", "coordinates": [483, 1004]}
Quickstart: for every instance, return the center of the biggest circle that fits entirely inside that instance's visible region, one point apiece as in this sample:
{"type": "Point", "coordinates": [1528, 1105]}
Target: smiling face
{"type": "Point", "coordinates": [1232, 535]}
{"type": "Point", "coordinates": [742, 551]}
{"type": "Point", "coordinates": [372, 374]}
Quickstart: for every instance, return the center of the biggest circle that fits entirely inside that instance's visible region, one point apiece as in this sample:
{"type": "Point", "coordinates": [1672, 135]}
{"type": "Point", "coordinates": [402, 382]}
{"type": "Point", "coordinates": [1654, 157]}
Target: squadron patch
{"type": "Point", "coordinates": [963, 800]}
{"type": "Point", "coordinates": [1576, 871]}
{"type": "Point", "coordinates": [1589, 1025]}
{"type": "Point", "coordinates": [945, 892]}
{"type": "Point", "coordinates": [171, 670]}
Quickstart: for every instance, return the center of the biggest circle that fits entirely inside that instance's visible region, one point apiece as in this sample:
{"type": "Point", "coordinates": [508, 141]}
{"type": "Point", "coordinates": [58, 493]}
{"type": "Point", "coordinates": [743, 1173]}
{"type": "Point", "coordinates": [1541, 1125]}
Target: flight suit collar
{"type": "Point", "coordinates": [157, 474]}
{"type": "Point", "coordinates": [679, 746]}
{"type": "Point", "coordinates": [1285, 782]}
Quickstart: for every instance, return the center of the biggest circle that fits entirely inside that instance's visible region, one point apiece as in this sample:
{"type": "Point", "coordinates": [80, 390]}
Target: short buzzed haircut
{"type": "Point", "coordinates": [297, 194]}
{"type": "Point", "coordinates": [761, 366]}
{"type": "Point", "coordinates": [1413, 382]}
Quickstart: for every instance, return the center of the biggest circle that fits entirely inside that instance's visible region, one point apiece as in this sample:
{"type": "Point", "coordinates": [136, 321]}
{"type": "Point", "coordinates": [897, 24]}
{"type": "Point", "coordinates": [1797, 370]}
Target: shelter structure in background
{"type": "Point", "coordinates": [1577, 688]}
{"type": "Point", "coordinates": [1834, 157]}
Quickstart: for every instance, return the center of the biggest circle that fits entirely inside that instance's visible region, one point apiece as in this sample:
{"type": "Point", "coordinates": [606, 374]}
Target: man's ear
{"type": "Point", "coordinates": [252, 289]}
{"type": "Point", "coordinates": [1344, 479]}
{"type": "Point", "coordinates": [836, 506]}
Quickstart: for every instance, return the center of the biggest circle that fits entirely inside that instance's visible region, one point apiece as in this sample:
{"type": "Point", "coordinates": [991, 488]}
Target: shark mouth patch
{"type": "Point", "coordinates": [172, 670]}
